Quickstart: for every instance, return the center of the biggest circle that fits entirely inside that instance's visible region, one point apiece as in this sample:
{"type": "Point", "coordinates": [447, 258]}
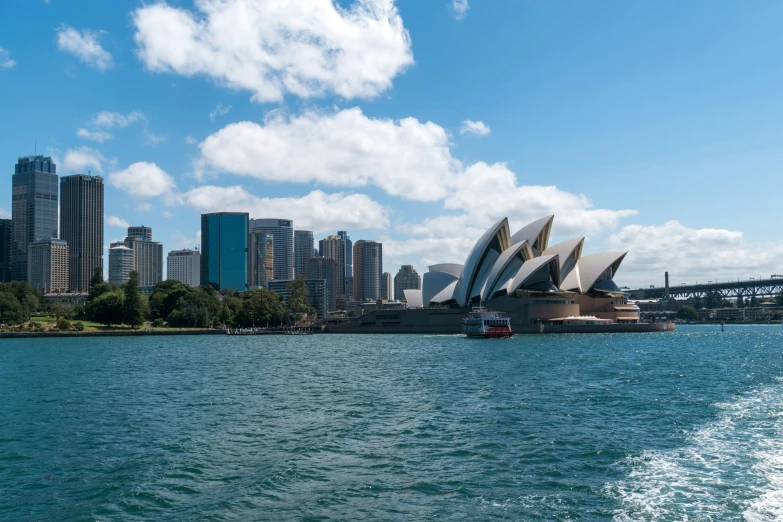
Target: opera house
{"type": "Point", "coordinates": [541, 288]}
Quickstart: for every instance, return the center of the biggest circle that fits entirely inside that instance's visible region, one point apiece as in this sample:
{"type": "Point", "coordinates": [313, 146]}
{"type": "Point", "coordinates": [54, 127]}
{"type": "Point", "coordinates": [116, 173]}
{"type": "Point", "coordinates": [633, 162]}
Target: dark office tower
{"type": "Point", "coordinates": [326, 269]}
{"type": "Point", "coordinates": [333, 247]}
{"type": "Point", "coordinates": [145, 233]}
{"type": "Point", "coordinates": [303, 250]}
{"type": "Point", "coordinates": [224, 255]}
{"type": "Point", "coordinates": [33, 208]}
{"type": "Point", "coordinates": [5, 250]}
{"type": "Point", "coordinates": [261, 259]}
{"type": "Point", "coordinates": [81, 226]}
{"type": "Point", "coordinates": [367, 270]}
{"type": "Point", "coordinates": [348, 284]}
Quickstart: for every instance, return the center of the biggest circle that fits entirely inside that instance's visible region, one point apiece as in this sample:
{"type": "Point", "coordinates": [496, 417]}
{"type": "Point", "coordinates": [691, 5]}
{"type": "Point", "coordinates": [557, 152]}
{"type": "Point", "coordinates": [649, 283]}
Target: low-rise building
{"type": "Point", "coordinates": [184, 266]}
{"type": "Point", "coordinates": [317, 295]}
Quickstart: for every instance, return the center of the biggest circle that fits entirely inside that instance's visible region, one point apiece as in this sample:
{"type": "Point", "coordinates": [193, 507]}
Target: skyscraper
{"type": "Point", "coordinates": [140, 231]}
{"type": "Point", "coordinates": [326, 269]}
{"type": "Point", "coordinates": [261, 258]}
{"type": "Point", "coordinates": [81, 226]}
{"type": "Point", "coordinates": [333, 247]}
{"type": "Point", "coordinates": [47, 265]}
{"type": "Point", "coordinates": [386, 287]}
{"type": "Point", "coordinates": [224, 255]}
{"type": "Point", "coordinates": [147, 259]}
{"type": "Point", "coordinates": [406, 279]}
{"type": "Point", "coordinates": [33, 208]}
{"type": "Point", "coordinates": [303, 250]}
{"type": "Point", "coordinates": [184, 266]}
{"type": "Point", "coordinates": [282, 231]}
{"type": "Point", "coordinates": [367, 270]}
{"type": "Point", "coordinates": [120, 263]}
{"type": "Point", "coordinates": [348, 285]}
{"type": "Point", "coordinates": [5, 250]}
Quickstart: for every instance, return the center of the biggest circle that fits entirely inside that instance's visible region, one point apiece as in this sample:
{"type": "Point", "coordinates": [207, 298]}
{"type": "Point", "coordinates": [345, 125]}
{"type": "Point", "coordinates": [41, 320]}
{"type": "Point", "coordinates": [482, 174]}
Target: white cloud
{"type": "Point", "coordinates": [143, 180]}
{"type": "Point", "coordinates": [85, 46]}
{"type": "Point", "coordinates": [474, 127]}
{"type": "Point", "coordinates": [182, 241]}
{"type": "Point", "coordinates": [5, 59]}
{"type": "Point", "coordinates": [691, 255]}
{"type": "Point", "coordinates": [144, 207]}
{"type": "Point", "coordinates": [98, 136]}
{"type": "Point", "coordinates": [220, 110]}
{"type": "Point", "coordinates": [316, 211]}
{"type": "Point", "coordinates": [109, 119]}
{"type": "Point", "coordinates": [166, 214]}
{"type": "Point", "coordinates": [460, 8]}
{"type": "Point", "coordinates": [114, 221]}
{"type": "Point", "coordinates": [190, 140]}
{"type": "Point", "coordinates": [4, 213]}
{"type": "Point", "coordinates": [83, 158]}
{"type": "Point", "coordinates": [302, 47]}
{"type": "Point", "coordinates": [153, 139]}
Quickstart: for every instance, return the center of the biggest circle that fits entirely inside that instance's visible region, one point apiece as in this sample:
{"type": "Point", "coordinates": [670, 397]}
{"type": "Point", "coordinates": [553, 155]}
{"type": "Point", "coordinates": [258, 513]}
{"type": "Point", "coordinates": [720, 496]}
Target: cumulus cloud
{"type": "Point", "coordinates": [691, 255]}
{"type": "Point", "coordinates": [166, 214]}
{"type": "Point", "coordinates": [142, 179]}
{"type": "Point", "coordinates": [316, 211]}
{"type": "Point", "coordinates": [114, 221]}
{"type": "Point", "coordinates": [460, 8]}
{"type": "Point", "coordinates": [4, 213]}
{"type": "Point", "coordinates": [307, 48]}
{"type": "Point", "coordinates": [5, 59]}
{"type": "Point", "coordinates": [220, 110]}
{"type": "Point", "coordinates": [81, 159]}
{"type": "Point", "coordinates": [85, 45]}
{"type": "Point", "coordinates": [98, 136]}
{"type": "Point", "coordinates": [108, 119]}
{"type": "Point", "coordinates": [144, 207]}
{"type": "Point", "coordinates": [474, 127]}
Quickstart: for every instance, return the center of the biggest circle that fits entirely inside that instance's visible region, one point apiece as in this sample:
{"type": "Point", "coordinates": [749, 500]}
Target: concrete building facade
{"type": "Point", "coordinates": [147, 261]}
{"type": "Point", "coordinates": [34, 196]}
{"type": "Point", "coordinates": [140, 231]}
{"type": "Point", "coordinates": [261, 258]}
{"type": "Point", "coordinates": [407, 278]}
{"type": "Point", "coordinates": [120, 263]}
{"type": "Point", "coordinates": [333, 247]}
{"type": "Point", "coordinates": [316, 295]}
{"type": "Point", "coordinates": [348, 279]}
{"type": "Point", "coordinates": [81, 226]}
{"type": "Point", "coordinates": [387, 289]}
{"type": "Point", "coordinates": [47, 265]}
{"type": "Point", "coordinates": [303, 251]}
{"type": "Point", "coordinates": [184, 266]}
{"type": "Point", "coordinates": [367, 270]}
{"type": "Point", "coordinates": [282, 231]}
{"type": "Point", "coordinates": [326, 269]}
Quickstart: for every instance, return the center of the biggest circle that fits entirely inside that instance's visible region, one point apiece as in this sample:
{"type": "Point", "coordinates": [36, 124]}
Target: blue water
{"type": "Point", "coordinates": [668, 426]}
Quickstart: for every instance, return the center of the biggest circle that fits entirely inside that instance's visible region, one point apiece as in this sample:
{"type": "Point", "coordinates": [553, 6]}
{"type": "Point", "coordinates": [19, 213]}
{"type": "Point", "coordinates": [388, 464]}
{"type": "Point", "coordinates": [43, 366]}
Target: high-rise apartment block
{"type": "Point", "coordinates": [348, 280]}
{"type": "Point", "coordinates": [282, 231]}
{"type": "Point", "coordinates": [6, 238]}
{"type": "Point", "coordinates": [303, 251]}
{"type": "Point", "coordinates": [81, 226]}
{"type": "Point", "coordinates": [387, 290]}
{"type": "Point", "coordinates": [140, 231]}
{"type": "Point", "coordinates": [224, 250]}
{"type": "Point", "coordinates": [406, 279]}
{"type": "Point", "coordinates": [147, 260]}
{"type": "Point", "coordinates": [367, 270]}
{"type": "Point", "coordinates": [261, 258]}
{"type": "Point", "coordinates": [47, 265]}
{"type": "Point", "coordinates": [120, 263]}
{"type": "Point", "coordinates": [333, 247]}
{"type": "Point", "coordinates": [33, 208]}
{"type": "Point", "coordinates": [184, 266]}
{"type": "Point", "coordinates": [326, 269]}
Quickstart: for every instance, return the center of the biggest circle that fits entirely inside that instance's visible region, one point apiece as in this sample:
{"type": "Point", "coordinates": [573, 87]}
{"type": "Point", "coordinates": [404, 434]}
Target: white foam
{"type": "Point", "coordinates": [728, 468]}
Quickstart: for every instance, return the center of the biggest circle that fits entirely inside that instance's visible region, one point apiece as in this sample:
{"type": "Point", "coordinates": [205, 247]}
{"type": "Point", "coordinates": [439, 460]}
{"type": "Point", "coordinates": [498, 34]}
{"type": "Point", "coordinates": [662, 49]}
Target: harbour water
{"type": "Point", "coordinates": [668, 426]}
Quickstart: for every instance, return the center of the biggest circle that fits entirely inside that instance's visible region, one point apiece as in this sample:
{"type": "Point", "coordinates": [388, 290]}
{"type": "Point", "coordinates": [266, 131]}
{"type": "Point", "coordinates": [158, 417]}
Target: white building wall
{"type": "Point", "coordinates": [184, 266]}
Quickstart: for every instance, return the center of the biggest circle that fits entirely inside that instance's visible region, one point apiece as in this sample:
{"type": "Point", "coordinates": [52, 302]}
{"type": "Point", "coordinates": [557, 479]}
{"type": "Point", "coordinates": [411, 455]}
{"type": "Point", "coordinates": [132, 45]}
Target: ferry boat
{"type": "Point", "coordinates": [481, 322]}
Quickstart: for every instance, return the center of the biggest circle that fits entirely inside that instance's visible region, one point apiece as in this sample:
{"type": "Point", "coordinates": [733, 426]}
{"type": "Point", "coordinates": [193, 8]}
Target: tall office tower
{"type": "Point", "coordinates": [386, 287]}
{"type": "Point", "coordinates": [367, 270]}
{"type": "Point", "coordinates": [406, 279]}
{"type": "Point", "coordinates": [184, 266]}
{"type": "Point", "coordinates": [261, 259]}
{"type": "Point", "coordinates": [348, 284]}
{"type": "Point", "coordinates": [303, 250]}
{"type": "Point", "coordinates": [282, 231]}
{"type": "Point", "coordinates": [47, 265]}
{"type": "Point", "coordinates": [224, 250]}
{"type": "Point", "coordinates": [326, 269]}
{"type": "Point", "coordinates": [147, 261]}
{"type": "Point", "coordinates": [333, 247]}
{"type": "Point", "coordinates": [81, 226]}
{"type": "Point", "coordinates": [33, 208]}
{"type": "Point", "coordinates": [5, 250]}
{"type": "Point", "coordinates": [120, 263]}
{"type": "Point", "coordinates": [140, 231]}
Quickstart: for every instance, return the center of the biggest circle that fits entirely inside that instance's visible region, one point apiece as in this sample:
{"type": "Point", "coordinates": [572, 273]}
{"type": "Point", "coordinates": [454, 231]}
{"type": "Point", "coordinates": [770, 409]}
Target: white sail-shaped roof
{"type": "Point", "coordinates": [590, 269]}
{"type": "Point", "coordinates": [433, 283]}
{"type": "Point", "coordinates": [536, 233]}
{"type": "Point", "coordinates": [447, 294]}
{"type": "Point", "coordinates": [532, 267]}
{"type": "Point", "coordinates": [480, 261]}
{"type": "Point", "coordinates": [413, 297]}
{"type": "Point", "coordinates": [454, 269]}
{"type": "Point", "coordinates": [568, 252]}
{"type": "Point", "coordinates": [506, 267]}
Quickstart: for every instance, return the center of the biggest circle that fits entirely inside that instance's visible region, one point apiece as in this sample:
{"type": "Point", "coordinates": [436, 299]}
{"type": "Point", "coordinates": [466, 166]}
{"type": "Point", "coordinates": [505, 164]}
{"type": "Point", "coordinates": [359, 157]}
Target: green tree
{"type": "Point", "coordinates": [198, 309]}
{"type": "Point", "coordinates": [58, 309]}
{"type": "Point", "coordinates": [107, 308]}
{"type": "Point", "coordinates": [27, 296]}
{"type": "Point", "coordinates": [165, 296]}
{"type": "Point", "coordinates": [133, 309]}
{"type": "Point", "coordinates": [261, 308]}
{"type": "Point", "coordinates": [63, 324]}
{"type": "Point", "coordinates": [98, 286]}
{"type": "Point", "coordinates": [687, 313]}
{"type": "Point", "coordinates": [11, 310]}
{"type": "Point", "coordinates": [297, 300]}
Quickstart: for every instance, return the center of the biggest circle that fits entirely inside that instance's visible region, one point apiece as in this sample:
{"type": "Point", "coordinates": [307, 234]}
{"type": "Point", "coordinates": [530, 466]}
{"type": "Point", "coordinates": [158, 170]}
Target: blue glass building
{"type": "Point", "coordinates": [224, 255]}
{"type": "Point", "coordinates": [5, 250]}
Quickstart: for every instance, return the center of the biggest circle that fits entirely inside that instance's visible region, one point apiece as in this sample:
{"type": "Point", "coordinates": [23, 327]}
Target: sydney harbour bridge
{"type": "Point", "coordinates": [750, 289]}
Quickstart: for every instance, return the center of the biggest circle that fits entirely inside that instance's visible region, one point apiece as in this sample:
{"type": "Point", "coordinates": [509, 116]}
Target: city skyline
{"type": "Point", "coordinates": [411, 154]}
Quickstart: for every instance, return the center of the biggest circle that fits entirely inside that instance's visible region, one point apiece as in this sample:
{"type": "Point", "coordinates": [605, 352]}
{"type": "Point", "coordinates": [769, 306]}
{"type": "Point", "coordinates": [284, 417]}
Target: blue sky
{"type": "Point", "coordinates": [648, 127]}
